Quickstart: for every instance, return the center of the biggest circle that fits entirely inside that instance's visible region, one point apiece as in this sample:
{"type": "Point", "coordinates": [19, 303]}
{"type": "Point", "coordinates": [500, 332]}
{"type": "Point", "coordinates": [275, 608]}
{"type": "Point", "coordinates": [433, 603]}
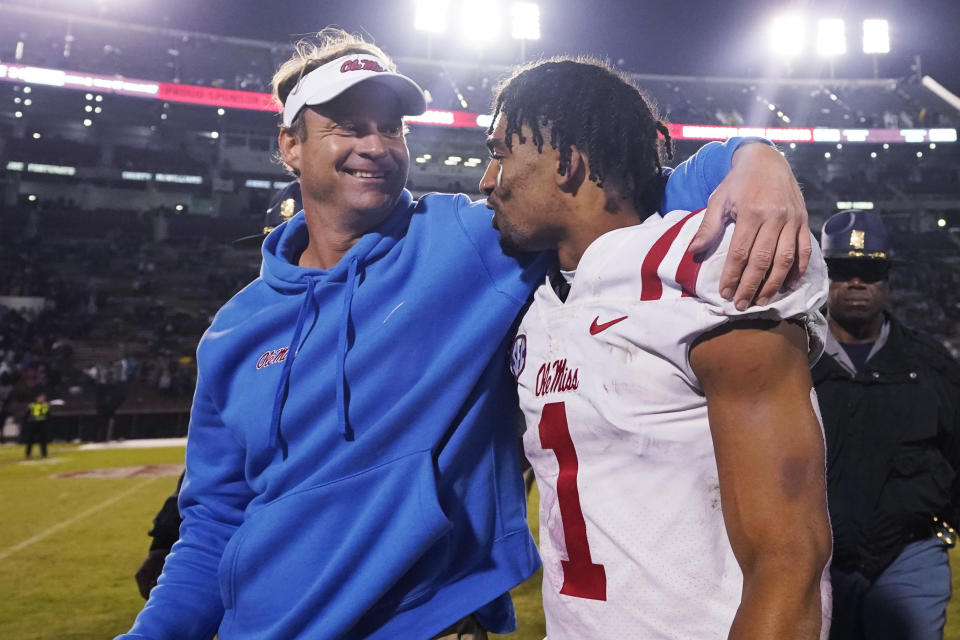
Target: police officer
{"type": "Point", "coordinates": [890, 399]}
{"type": "Point", "coordinates": [284, 204]}
{"type": "Point", "coordinates": [36, 424]}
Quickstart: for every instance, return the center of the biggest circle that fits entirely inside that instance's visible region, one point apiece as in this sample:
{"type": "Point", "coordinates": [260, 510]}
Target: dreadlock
{"type": "Point", "coordinates": [584, 102]}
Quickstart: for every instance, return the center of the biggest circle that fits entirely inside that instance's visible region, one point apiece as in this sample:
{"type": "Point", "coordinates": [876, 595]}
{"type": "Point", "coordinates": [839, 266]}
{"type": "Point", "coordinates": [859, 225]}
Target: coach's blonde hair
{"type": "Point", "coordinates": [308, 54]}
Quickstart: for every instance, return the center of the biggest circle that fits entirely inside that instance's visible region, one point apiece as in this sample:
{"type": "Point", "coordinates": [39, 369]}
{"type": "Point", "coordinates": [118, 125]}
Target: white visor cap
{"type": "Point", "coordinates": [328, 81]}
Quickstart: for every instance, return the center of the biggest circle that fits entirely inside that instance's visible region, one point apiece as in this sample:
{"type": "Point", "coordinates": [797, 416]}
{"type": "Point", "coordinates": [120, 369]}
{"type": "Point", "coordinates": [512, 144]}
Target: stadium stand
{"type": "Point", "coordinates": [119, 230]}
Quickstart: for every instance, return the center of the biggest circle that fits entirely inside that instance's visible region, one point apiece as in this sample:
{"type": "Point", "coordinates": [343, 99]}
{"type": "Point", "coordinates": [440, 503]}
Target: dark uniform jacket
{"type": "Point", "coordinates": [166, 524]}
{"type": "Point", "coordinates": [893, 445]}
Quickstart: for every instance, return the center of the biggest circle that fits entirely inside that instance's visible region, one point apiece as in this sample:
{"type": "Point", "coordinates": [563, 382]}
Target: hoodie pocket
{"type": "Point", "coordinates": [313, 562]}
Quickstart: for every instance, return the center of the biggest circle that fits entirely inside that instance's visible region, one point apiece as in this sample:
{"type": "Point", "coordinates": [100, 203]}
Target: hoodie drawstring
{"type": "Point", "coordinates": [351, 286]}
{"type": "Point", "coordinates": [309, 307]}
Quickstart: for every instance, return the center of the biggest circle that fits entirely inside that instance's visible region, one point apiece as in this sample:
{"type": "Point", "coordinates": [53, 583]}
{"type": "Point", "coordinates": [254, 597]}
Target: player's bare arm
{"type": "Point", "coordinates": [771, 245]}
{"type": "Point", "coordinates": [770, 458]}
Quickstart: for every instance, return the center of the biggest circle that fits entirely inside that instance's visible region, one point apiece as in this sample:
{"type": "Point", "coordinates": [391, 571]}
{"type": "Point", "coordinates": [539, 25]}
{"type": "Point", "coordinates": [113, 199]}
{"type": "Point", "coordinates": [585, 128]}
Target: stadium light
{"type": "Point", "coordinates": [480, 20]}
{"type": "Point", "coordinates": [525, 21]}
{"type": "Point", "coordinates": [431, 16]}
{"type": "Point", "coordinates": [876, 36]}
{"type": "Point", "coordinates": [831, 37]}
{"type": "Point", "coordinates": [876, 41]}
{"type": "Point", "coordinates": [787, 34]}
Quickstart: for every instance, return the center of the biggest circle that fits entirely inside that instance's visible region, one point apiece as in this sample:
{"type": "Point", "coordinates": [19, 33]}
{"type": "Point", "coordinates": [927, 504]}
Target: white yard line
{"type": "Point", "coordinates": [66, 523]}
{"type": "Point", "coordinates": [141, 443]}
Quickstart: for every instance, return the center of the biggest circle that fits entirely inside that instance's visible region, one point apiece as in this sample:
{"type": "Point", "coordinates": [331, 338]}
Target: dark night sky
{"type": "Point", "coordinates": [695, 37]}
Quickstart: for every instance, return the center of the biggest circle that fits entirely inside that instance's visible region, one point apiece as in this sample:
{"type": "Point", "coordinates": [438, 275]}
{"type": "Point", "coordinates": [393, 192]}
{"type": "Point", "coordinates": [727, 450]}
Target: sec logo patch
{"type": "Point", "coordinates": [518, 355]}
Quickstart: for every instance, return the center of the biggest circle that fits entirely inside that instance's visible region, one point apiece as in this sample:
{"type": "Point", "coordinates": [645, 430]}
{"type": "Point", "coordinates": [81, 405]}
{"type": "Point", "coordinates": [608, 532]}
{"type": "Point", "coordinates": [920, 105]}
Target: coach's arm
{"type": "Point", "coordinates": [770, 458]}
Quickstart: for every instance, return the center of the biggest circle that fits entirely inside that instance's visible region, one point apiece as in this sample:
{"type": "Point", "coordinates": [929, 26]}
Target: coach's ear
{"type": "Point", "coordinates": [576, 173]}
{"type": "Point", "coordinates": [290, 148]}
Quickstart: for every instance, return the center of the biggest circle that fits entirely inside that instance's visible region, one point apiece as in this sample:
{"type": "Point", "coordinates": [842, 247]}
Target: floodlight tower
{"type": "Point", "coordinates": [787, 35]}
{"type": "Point", "coordinates": [480, 22]}
{"type": "Point", "coordinates": [831, 39]}
{"type": "Point", "coordinates": [430, 16]}
{"type": "Point", "coordinates": [786, 38]}
{"type": "Point", "coordinates": [525, 24]}
{"type": "Point", "coordinates": [876, 41]}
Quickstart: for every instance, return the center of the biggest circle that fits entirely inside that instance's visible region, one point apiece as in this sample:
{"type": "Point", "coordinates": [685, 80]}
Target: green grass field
{"type": "Point", "coordinates": [69, 546]}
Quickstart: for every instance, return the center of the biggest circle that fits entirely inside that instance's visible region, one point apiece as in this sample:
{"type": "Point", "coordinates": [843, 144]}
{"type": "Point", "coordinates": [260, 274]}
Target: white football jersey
{"type": "Point", "coordinates": [631, 530]}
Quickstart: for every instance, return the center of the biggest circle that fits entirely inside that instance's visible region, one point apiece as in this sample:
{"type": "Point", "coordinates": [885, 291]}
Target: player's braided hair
{"type": "Point", "coordinates": [584, 102]}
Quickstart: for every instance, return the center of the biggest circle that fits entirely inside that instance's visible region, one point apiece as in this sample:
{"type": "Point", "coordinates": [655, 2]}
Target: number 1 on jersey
{"type": "Point", "coordinates": [581, 578]}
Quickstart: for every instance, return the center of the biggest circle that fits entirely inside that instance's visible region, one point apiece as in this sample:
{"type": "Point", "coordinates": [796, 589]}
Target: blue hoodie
{"type": "Point", "coordinates": [352, 462]}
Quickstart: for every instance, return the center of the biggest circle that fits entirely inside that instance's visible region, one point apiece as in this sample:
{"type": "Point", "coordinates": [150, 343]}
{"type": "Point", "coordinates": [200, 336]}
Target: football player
{"type": "Point", "coordinates": [677, 450]}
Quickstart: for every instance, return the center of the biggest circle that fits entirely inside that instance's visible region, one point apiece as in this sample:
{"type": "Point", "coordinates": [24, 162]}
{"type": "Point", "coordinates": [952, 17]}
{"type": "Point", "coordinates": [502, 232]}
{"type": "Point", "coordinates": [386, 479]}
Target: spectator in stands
{"type": "Point", "coordinates": [8, 376]}
{"type": "Point", "coordinates": [165, 379]}
{"type": "Point", "coordinates": [110, 397]}
{"type": "Point", "coordinates": [7, 379]}
{"type": "Point", "coordinates": [890, 399]}
{"type": "Point", "coordinates": [377, 482]}
{"type": "Point", "coordinates": [35, 424]}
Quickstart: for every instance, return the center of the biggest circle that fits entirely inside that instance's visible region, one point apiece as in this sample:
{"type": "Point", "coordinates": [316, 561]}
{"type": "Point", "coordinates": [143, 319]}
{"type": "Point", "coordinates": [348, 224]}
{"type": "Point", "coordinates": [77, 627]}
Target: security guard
{"type": "Point", "coordinates": [36, 424]}
{"type": "Point", "coordinates": [890, 399]}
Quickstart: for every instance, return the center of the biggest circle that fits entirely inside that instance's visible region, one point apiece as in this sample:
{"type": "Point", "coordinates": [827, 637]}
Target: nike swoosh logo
{"type": "Point", "coordinates": [597, 328]}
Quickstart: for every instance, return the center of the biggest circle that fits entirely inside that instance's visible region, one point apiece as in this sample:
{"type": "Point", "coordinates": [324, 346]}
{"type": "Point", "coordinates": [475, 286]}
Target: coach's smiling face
{"type": "Point", "coordinates": [353, 159]}
{"type": "Point", "coordinates": [521, 187]}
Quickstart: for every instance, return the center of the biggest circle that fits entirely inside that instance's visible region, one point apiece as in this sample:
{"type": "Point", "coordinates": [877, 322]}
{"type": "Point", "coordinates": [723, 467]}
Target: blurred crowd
{"type": "Point", "coordinates": [100, 321]}
{"type": "Point", "coordinates": [247, 65]}
{"type": "Point", "coordinates": [120, 312]}
{"type": "Point", "coordinates": [925, 294]}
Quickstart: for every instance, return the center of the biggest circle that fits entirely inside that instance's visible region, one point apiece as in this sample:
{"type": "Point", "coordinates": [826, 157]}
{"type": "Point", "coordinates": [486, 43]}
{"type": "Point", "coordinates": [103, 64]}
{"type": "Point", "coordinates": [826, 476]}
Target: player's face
{"type": "Point", "coordinates": [520, 185]}
{"type": "Point", "coordinates": [858, 290]}
{"type": "Point", "coordinates": [354, 159]}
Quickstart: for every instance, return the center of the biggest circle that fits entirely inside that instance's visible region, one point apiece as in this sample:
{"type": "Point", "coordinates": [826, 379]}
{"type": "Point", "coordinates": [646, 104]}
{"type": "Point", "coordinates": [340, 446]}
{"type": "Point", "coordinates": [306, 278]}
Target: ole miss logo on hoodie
{"type": "Point", "coordinates": [272, 357]}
